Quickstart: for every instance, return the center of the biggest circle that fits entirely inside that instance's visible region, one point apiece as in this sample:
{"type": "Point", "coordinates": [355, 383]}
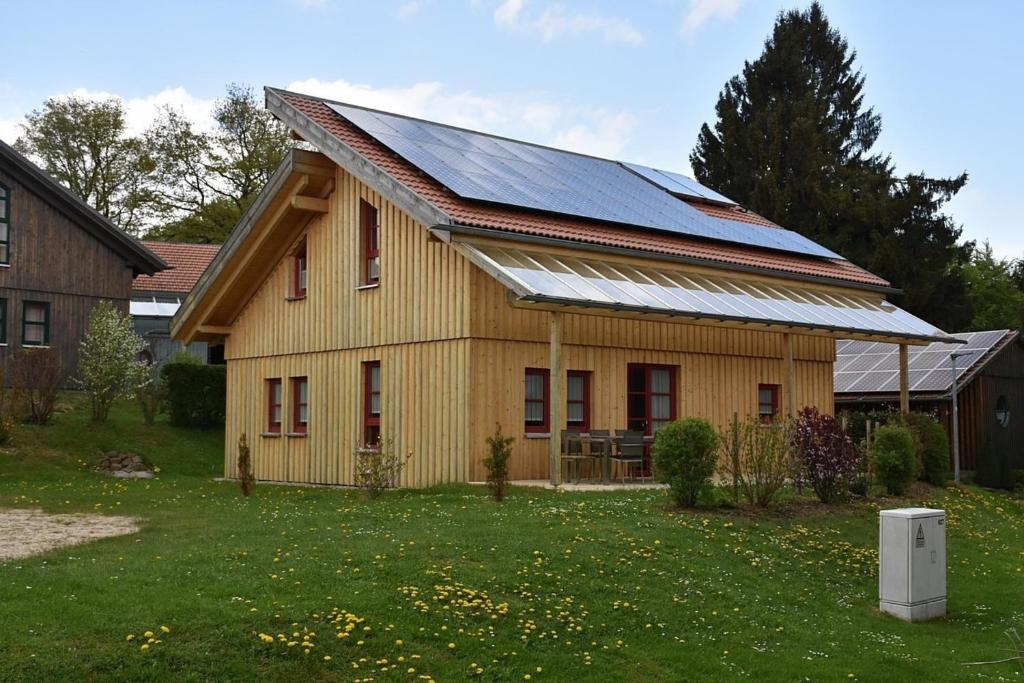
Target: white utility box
{"type": "Point", "coordinates": [912, 563]}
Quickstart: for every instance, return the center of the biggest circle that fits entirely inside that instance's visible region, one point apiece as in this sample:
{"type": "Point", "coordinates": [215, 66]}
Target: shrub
{"type": "Point", "coordinates": [379, 468]}
{"type": "Point", "coordinates": [892, 452]}
{"type": "Point", "coordinates": [151, 395]}
{"type": "Point", "coordinates": [183, 357]}
{"type": "Point", "coordinates": [685, 452]}
{"type": "Point", "coordinates": [931, 447]}
{"type": "Point", "coordinates": [757, 458]}
{"type": "Point", "coordinates": [196, 393]}
{"type": "Point", "coordinates": [246, 478]}
{"type": "Point", "coordinates": [827, 461]}
{"type": "Point", "coordinates": [500, 447]}
{"type": "Point", "coordinates": [36, 376]}
{"type": "Point", "coordinates": [6, 428]}
{"type": "Point", "coordinates": [108, 363]}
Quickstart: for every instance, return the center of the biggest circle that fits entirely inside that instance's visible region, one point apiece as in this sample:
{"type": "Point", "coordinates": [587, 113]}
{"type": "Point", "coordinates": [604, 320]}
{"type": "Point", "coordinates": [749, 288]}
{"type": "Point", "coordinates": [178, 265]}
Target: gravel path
{"type": "Point", "coordinates": [30, 532]}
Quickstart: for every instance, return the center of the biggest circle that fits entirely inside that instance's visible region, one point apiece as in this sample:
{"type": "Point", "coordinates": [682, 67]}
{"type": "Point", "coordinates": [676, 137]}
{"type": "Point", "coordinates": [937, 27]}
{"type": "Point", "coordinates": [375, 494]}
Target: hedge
{"type": "Point", "coordinates": [196, 394]}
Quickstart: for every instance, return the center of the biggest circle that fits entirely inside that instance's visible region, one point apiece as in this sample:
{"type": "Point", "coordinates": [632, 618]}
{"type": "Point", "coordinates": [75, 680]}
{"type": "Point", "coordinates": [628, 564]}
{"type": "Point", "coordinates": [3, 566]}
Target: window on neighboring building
{"type": "Point", "coordinates": [1003, 411]}
{"type": "Point", "coordinates": [274, 399]}
{"type": "Point", "coordinates": [767, 401]}
{"type": "Point", "coordinates": [536, 407]}
{"type": "Point", "coordinates": [35, 324]}
{"type": "Point", "coordinates": [299, 272]}
{"type": "Point", "coordinates": [369, 231]}
{"type": "Point", "coordinates": [371, 403]}
{"type": "Point", "coordinates": [3, 321]}
{"type": "Point", "coordinates": [300, 404]}
{"type": "Point", "coordinates": [5, 225]}
{"type": "Point", "coordinates": [577, 400]}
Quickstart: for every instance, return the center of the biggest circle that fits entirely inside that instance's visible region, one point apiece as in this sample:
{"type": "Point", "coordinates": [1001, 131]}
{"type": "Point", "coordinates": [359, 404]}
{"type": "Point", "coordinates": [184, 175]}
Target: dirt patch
{"type": "Point", "coordinates": [30, 532]}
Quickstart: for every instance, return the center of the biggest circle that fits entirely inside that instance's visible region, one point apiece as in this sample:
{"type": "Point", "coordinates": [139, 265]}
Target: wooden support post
{"type": "Point", "coordinates": [904, 380]}
{"type": "Point", "coordinates": [788, 374]}
{"type": "Point", "coordinates": [555, 401]}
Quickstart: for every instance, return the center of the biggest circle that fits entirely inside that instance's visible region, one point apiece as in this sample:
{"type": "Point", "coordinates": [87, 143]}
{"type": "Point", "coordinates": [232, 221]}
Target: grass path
{"type": "Point", "coordinates": [444, 584]}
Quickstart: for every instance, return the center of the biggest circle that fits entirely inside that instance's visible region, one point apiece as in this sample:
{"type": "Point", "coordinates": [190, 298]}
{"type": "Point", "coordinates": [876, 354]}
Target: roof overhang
{"type": "Point", "coordinates": [265, 233]}
{"type": "Point", "coordinates": [584, 283]}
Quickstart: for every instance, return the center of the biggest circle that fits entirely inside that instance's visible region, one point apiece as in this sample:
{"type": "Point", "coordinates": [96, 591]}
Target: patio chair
{"type": "Point", "coordinates": [572, 453]}
{"type": "Point", "coordinates": [630, 452]}
{"type": "Point", "coordinates": [601, 448]}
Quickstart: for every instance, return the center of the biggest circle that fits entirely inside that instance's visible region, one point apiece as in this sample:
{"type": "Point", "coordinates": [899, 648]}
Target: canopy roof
{"type": "Point", "coordinates": [548, 277]}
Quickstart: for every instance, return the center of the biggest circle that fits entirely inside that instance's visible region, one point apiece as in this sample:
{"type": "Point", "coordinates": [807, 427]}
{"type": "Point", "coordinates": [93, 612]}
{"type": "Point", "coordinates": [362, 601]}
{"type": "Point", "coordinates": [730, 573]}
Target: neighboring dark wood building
{"type": "Point", "coordinates": [990, 393]}
{"type": "Point", "coordinates": [58, 259]}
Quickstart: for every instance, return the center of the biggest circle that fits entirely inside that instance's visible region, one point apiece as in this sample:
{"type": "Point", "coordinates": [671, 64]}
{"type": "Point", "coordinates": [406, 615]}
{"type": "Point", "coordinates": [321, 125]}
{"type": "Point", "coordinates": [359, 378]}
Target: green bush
{"type": "Point", "coordinates": [195, 394]}
{"type": "Point", "coordinates": [931, 446]}
{"type": "Point", "coordinates": [892, 452]}
{"type": "Point", "coordinates": [685, 454]}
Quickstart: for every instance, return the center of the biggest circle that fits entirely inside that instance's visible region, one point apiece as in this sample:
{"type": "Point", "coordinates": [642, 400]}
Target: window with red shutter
{"type": "Point", "coordinates": [274, 406]}
{"type": "Point", "coordinates": [371, 403]}
{"type": "Point", "coordinates": [300, 404]}
{"type": "Point", "coordinates": [369, 230]}
{"type": "Point", "coordinates": [299, 272]}
{"type": "Point", "coordinates": [767, 402]}
{"type": "Point", "coordinates": [537, 393]}
{"type": "Point", "coordinates": [577, 401]}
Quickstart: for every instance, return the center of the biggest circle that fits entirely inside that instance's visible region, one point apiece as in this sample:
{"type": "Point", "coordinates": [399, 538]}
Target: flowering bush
{"type": "Point", "coordinates": [379, 468]}
{"type": "Point", "coordinates": [892, 451]}
{"type": "Point", "coordinates": [826, 459]}
{"type": "Point", "coordinates": [756, 457]}
{"type": "Point", "coordinates": [108, 363]}
{"type": "Point", "coordinates": [685, 452]}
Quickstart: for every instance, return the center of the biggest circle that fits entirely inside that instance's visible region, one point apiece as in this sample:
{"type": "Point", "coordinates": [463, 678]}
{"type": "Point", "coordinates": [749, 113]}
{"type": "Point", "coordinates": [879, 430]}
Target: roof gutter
{"type": "Point", "coordinates": [652, 255]}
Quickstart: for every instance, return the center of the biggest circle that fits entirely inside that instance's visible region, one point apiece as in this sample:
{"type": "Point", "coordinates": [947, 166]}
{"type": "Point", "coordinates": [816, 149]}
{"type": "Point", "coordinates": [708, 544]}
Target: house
{"type": "Point", "coordinates": [58, 259]}
{"type": "Point", "coordinates": [156, 298]}
{"type": "Point", "coordinates": [423, 284]}
{"type": "Point", "coordinates": [990, 392]}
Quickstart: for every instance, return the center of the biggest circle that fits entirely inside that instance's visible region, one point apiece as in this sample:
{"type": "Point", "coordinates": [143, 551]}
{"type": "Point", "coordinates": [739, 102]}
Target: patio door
{"type": "Point", "coordinates": [650, 398]}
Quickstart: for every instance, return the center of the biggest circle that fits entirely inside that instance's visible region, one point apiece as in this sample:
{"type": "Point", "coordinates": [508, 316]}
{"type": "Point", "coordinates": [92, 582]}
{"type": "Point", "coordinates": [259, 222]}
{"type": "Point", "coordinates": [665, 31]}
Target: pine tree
{"type": "Point", "coordinates": [793, 141]}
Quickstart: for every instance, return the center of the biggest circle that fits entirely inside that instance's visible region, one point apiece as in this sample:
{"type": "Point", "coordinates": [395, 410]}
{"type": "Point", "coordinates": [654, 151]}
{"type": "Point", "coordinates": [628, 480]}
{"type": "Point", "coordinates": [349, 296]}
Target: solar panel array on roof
{"type": "Point", "coordinates": [551, 278]}
{"type": "Point", "coordinates": [873, 367]}
{"type": "Point", "coordinates": [492, 169]}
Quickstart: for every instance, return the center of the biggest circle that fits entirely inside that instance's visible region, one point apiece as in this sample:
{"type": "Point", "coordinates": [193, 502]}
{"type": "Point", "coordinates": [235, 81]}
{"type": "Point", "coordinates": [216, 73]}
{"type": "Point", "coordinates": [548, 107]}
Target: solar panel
{"type": "Point", "coordinates": [873, 367]}
{"type": "Point", "coordinates": [551, 278]}
{"type": "Point", "coordinates": [492, 169]}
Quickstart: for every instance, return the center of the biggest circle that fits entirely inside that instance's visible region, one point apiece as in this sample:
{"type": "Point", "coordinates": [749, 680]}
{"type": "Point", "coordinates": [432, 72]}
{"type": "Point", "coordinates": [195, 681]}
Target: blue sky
{"type": "Point", "coordinates": [632, 80]}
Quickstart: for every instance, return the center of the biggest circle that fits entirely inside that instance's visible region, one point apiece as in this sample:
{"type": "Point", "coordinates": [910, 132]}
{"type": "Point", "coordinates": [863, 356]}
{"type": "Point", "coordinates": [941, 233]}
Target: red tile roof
{"type": "Point", "coordinates": [527, 222]}
{"type": "Point", "coordinates": [186, 262]}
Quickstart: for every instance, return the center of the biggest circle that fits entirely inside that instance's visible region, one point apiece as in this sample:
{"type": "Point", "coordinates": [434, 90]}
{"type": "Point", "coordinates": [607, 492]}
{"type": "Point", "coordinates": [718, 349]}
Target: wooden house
{"type": "Point", "coordinates": [424, 284]}
{"type": "Point", "coordinates": [58, 259]}
{"type": "Point", "coordinates": [990, 393]}
{"type": "Point", "coordinates": [156, 298]}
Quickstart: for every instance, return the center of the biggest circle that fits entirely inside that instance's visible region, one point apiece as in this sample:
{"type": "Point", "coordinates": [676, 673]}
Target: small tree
{"type": "Point", "coordinates": [36, 376]}
{"type": "Point", "coordinates": [246, 478]}
{"type": "Point", "coordinates": [496, 463]}
{"type": "Point", "coordinates": [826, 458]}
{"type": "Point", "coordinates": [685, 452]}
{"type": "Point", "coordinates": [892, 451]}
{"type": "Point", "coordinates": [107, 359]}
{"type": "Point", "coordinates": [756, 457]}
{"type": "Point", "coordinates": [379, 467]}
{"type": "Point", "coordinates": [931, 447]}
{"type": "Point", "coordinates": [151, 394]}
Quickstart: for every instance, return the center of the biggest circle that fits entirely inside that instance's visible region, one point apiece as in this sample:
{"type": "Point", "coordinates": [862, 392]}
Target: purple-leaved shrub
{"type": "Point", "coordinates": [827, 460]}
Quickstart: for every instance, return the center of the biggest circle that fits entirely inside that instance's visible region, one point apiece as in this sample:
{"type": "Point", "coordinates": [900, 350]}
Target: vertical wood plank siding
{"type": "Point", "coordinates": [453, 353]}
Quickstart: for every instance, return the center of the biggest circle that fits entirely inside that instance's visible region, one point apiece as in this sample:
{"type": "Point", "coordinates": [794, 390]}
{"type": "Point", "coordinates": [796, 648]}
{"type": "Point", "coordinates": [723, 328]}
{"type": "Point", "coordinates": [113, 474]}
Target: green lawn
{"type": "Point", "coordinates": [444, 584]}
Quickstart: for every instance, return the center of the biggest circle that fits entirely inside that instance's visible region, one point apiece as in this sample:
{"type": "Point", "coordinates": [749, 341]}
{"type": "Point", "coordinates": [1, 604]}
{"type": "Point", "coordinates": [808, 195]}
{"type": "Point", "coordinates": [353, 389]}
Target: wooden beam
{"type": "Point", "coordinates": [314, 204]}
{"type": "Point", "coordinates": [788, 374]}
{"type": "Point", "coordinates": [904, 380]}
{"type": "Point", "coordinates": [216, 330]}
{"type": "Point", "coordinates": [555, 400]}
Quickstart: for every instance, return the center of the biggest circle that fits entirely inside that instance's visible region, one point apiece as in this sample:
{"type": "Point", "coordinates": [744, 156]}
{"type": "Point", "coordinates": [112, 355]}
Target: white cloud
{"type": "Point", "coordinates": [409, 9]}
{"type": "Point", "coordinates": [555, 21]}
{"type": "Point", "coordinates": [702, 11]}
{"type": "Point", "coordinates": [523, 116]}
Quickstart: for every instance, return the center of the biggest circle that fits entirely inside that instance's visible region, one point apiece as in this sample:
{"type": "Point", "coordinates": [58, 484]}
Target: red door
{"type": "Point", "coordinates": [650, 399]}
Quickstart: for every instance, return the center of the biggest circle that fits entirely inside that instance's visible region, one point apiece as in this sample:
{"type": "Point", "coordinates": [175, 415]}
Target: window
{"type": "Point", "coordinates": [537, 395]}
{"type": "Point", "coordinates": [577, 401]}
{"type": "Point", "coordinates": [5, 226]}
{"type": "Point", "coordinates": [767, 402]}
{"type": "Point", "coordinates": [3, 321]}
{"type": "Point", "coordinates": [300, 404]}
{"type": "Point", "coordinates": [369, 231]}
{"type": "Point", "coordinates": [274, 406]}
{"type": "Point", "coordinates": [35, 324]}
{"type": "Point", "coordinates": [299, 272]}
{"type": "Point", "coordinates": [371, 403]}
{"type": "Point", "coordinates": [1002, 412]}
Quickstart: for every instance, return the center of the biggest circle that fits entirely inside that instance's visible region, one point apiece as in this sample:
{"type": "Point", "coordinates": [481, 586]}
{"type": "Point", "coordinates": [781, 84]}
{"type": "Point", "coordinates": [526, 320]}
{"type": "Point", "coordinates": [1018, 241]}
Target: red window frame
{"type": "Point", "coordinates": [299, 426]}
{"type": "Point", "coordinates": [774, 405]}
{"type": "Point", "coordinates": [648, 394]}
{"type": "Point", "coordinates": [300, 272]}
{"type": "Point", "coordinates": [274, 405]}
{"type": "Point", "coordinates": [369, 230]}
{"type": "Point", "coordinates": [545, 425]}
{"type": "Point", "coordinates": [371, 421]}
{"type": "Point", "coordinates": [584, 424]}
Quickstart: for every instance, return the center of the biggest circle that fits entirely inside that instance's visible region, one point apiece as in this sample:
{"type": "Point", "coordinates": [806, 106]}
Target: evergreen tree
{"type": "Point", "coordinates": [793, 141]}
